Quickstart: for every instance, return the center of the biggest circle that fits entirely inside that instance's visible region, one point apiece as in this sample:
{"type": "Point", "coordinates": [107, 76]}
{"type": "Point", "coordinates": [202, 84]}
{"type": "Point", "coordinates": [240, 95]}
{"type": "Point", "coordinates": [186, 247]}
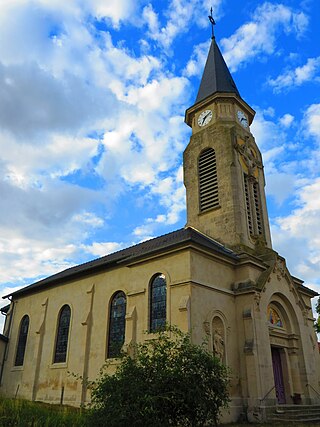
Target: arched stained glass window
{"type": "Point", "coordinates": [60, 352]}
{"type": "Point", "coordinates": [158, 303]}
{"type": "Point", "coordinates": [274, 317]}
{"type": "Point", "coordinates": [22, 341]}
{"type": "Point", "coordinates": [117, 324]}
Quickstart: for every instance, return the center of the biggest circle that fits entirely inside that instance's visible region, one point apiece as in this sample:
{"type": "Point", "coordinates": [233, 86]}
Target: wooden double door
{"type": "Point", "coordinates": [278, 375]}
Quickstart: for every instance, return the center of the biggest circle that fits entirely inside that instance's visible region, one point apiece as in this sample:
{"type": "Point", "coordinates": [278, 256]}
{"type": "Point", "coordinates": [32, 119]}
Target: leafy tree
{"type": "Point", "coordinates": [168, 382]}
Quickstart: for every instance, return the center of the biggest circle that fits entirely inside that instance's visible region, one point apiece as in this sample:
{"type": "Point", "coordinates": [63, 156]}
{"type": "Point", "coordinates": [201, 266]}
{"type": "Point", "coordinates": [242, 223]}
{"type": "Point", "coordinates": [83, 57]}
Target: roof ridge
{"type": "Point", "coordinates": [211, 239]}
{"type": "Point", "coordinates": [142, 249]}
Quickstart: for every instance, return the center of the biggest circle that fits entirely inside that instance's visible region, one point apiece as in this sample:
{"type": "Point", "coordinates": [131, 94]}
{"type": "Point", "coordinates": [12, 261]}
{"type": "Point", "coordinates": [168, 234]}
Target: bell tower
{"type": "Point", "coordinates": [223, 169]}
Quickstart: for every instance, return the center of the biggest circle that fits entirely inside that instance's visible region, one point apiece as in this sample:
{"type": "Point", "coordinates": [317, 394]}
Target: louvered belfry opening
{"type": "Point", "coordinates": [253, 205]}
{"type": "Point", "coordinates": [257, 205]}
{"type": "Point", "coordinates": [248, 204]}
{"type": "Point", "coordinates": [208, 180]}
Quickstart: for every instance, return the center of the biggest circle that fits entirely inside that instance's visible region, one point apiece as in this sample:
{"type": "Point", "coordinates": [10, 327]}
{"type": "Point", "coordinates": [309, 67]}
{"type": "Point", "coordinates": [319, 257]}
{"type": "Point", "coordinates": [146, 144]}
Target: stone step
{"type": "Point", "coordinates": [297, 412]}
{"type": "Point", "coordinates": [294, 407]}
{"type": "Point", "coordinates": [294, 413]}
{"type": "Point", "coordinates": [300, 420]}
{"type": "Point", "coordinates": [293, 416]}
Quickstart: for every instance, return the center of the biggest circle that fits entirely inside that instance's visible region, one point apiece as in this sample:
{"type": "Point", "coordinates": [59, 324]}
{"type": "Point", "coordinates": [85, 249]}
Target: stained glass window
{"type": "Point", "coordinates": [22, 341]}
{"type": "Point", "coordinates": [117, 324]}
{"type": "Point", "coordinates": [60, 353]}
{"type": "Point", "coordinates": [274, 317]}
{"type": "Point", "coordinates": [158, 303]}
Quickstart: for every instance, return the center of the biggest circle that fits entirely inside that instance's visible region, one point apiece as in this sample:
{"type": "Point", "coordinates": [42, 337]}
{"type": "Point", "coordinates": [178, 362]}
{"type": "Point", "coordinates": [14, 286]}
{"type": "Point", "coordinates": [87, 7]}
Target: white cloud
{"type": "Point", "coordinates": [286, 120]}
{"type": "Point", "coordinates": [156, 95]}
{"type": "Point", "coordinates": [259, 36]}
{"type": "Point", "coordinates": [100, 249]}
{"type": "Point", "coordinates": [266, 131]}
{"type": "Point", "coordinates": [197, 61]}
{"type": "Point", "coordinates": [116, 10]}
{"type": "Point", "coordinates": [298, 76]}
{"type": "Point", "coordinates": [172, 197]}
{"type": "Point", "coordinates": [30, 165]}
{"type": "Point", "coordinates": [34, 101]}
{"type": "Point", "coordinates": [181, 14]}
{"type": "Point", "coordinates": [296, 233]}
{"type": "Point", "coordinates": [312, 119]}
{"type": "Point", "coordinates": [301, 230]}
{"type": "Point", "coordinates": [281, 176]}
{"type": "Point", "coordinates": [280, 185]}
{"type": "Point", "coordinates": [88, 218]}
{"type": "Point", "coordinates": [20, 261]}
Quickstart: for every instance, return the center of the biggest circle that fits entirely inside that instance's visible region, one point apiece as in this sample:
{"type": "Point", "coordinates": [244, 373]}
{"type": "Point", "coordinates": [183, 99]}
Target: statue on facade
{"type": "Point", "coordinates": [218, 345]}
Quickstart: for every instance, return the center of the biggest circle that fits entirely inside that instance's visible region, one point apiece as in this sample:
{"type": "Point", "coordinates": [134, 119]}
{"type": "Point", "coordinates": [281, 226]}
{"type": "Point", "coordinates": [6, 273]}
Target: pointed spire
{"type": "Point", "coordinates": [216, 76]}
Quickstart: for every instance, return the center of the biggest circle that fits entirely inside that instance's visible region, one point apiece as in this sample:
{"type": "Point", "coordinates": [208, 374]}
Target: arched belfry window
{"type": "Point", "coordinates": [208, 180]}
{"type": "Point", "coordinates": [158, 303]}
{"type": "Point", "coordinates": [117, 324]}
{"type": "Point", "coordinates": [60, 352]}
{"type": "Point", "coordinates": [22, 341]}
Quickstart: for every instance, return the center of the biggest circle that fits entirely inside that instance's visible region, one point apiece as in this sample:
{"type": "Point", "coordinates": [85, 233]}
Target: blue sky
{"type": "Point", "coordinates": [93, 95]}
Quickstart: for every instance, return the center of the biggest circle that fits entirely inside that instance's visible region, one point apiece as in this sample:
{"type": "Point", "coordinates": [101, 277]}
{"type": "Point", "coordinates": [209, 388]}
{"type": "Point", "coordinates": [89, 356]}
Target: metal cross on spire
{"type": "Point", "coordinates": [213, 23]}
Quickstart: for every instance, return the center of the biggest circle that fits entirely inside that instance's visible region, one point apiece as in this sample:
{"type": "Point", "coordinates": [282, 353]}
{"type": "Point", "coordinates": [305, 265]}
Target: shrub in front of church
{"type": "Point", "coordinates": [168, 382]}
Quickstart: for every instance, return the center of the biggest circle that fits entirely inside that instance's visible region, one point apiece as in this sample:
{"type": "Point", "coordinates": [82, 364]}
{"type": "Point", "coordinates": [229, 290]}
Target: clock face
{"type": "Point", "coordinates": [204, 118]}
{"type": "Point", "coordinates": [242, 119]}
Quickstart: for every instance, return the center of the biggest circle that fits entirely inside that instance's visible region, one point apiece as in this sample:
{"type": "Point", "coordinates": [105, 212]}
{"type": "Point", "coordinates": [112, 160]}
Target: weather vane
{"type": "Point", "coordinates": [213, 23]}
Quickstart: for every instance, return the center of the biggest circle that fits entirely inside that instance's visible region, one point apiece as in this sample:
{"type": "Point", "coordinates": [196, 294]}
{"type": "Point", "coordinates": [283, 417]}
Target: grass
{"type": "Point", "coordinates": [274, 424]}
{"type": "Point", "coordinates": [22, 413]}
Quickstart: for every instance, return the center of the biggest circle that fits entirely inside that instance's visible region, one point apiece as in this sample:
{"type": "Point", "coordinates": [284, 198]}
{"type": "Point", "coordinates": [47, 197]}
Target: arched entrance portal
{"type": "Point", "coordinates": [284, 345]}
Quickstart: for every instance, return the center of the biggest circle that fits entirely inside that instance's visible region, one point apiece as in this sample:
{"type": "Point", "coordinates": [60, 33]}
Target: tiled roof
{"type": "Point", "coordinates": [141, 250]}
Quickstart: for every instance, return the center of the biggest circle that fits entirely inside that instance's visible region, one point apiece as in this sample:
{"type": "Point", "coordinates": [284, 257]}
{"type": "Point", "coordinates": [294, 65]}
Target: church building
{"type": "Point", "coordinates": [218, 278]}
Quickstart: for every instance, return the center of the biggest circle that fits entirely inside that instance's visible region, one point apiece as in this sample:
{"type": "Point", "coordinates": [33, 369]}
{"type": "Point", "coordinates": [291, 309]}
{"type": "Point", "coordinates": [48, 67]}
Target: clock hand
{"type": "Point", "coordinates": [205, 117]}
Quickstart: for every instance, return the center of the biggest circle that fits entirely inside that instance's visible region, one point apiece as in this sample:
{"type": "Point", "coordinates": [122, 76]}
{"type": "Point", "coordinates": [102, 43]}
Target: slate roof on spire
{"type": "Point", "coordinates": [216, 76]}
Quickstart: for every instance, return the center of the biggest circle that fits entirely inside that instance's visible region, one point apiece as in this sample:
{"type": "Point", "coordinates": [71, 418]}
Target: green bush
{"type": "Point", "coordinates": [169, 382]}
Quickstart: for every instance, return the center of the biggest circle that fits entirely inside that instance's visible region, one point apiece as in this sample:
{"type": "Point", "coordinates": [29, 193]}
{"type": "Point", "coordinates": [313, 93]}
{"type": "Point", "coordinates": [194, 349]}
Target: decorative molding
{"type": "Point", "coordinates": [88, 316]}
{"type": "Point", "coordinates": [184, 303]}
{"type": "Point", "coordinates": [136, 292]}
{"type": "Point", "coordinates": [280, 268]}
{"type": "Point", "coordinates": [44, 305]}
{"type": "Point", "coordinates": [257, 299]}
{"type": "Point", "coordinates": [248, 154]}
{"type": "Point", "coordinates": [131, 313]}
